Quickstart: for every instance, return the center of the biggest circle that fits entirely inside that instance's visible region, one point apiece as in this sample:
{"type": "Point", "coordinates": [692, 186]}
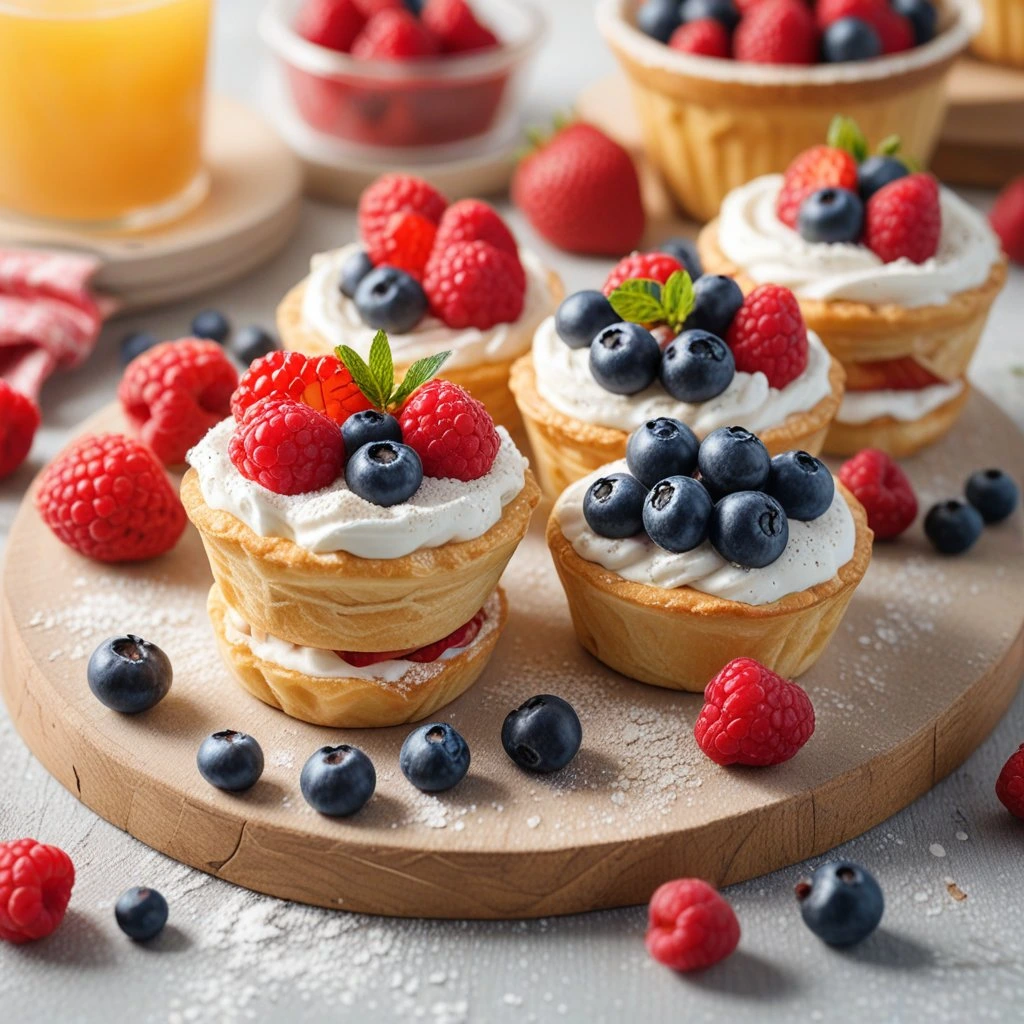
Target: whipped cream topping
{"type": "Point", "coordinates": [816, 551]}
{"type": "Point", "coordinates": [334, 316]}
{"type": "Point", "coordinates": [905, 406]}
{"type": "Point", "coordinates": [752, 236]}
{"type": "Point", "coordinates": [564, 379]}
{"type": "Point", "coordinates": [336, 519]}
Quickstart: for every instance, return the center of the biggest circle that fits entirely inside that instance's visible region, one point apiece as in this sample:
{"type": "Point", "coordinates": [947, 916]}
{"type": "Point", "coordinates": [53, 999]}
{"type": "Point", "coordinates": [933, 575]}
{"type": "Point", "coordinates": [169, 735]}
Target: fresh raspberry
{"type": "Point", "coordinates": [904, 220]}
{"type": "Point", "coordinates": [752, 716]}
{"type": "Point", "coordinates": [406, 243]}
{"type": "Point", "coordinates": [690, 926]}
{"type": "Point", "coordinates": [287, 447]}
{"type": "Point", "coordinates": [473, 220]}
{"type": "Point", "coordinates": [879, 484]}
{"type": "Point", "coordinates": [451, 432]}
{"type": "Point", "coordinates": [1007, 219]}
{"type": "Point", "coordinates": [895, 32]}
{"type": "Point", "coordinates": [1010, 784]}
{"type": "Point", "coordinates": [109, 498]}
{"type": "Point", "coordinates": [777, 32]}
{"type": "Point", "coordinates": [461, 637]}
{"type": "Point", "coordinates": [174, 392]}
{"type": "Point", "coordinates": [653, 266]}
{"type": "Point", "coordinates": [331, 23]}
{"type": "Point", "coordinates": [472, 284]}
{"type": "Point", "coordinates": [705, 36]}
{"type": "Point", "coordinates": [19, 420]}
{"type": "Point", "coordinates": [455, 26]}
{"type": "Point", "coordinates": [368, 8]}
{"type": "Point", "coordinates": [814, 168]}
{"type": "Point", "coordinates": [396, 193]}
{"type": "Point", "coordinates": [768, 334]}
{"type": "Point", "coordinates": [394, 34]}
{"type": "Point", "coordinates": [35, 886]}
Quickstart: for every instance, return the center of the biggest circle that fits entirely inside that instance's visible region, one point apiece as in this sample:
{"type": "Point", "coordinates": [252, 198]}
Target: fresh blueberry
{"type": "Point", "coordinates": [841, 903]}
{"type": "Point", "coordinates": [414, 6]}
{"type": "Point", "coordinates": [625, 358]}
{"type": "Point", "coordinates": [141, 913]}
{"type": "Point", "coordinates": [993, 494]}
{"type": "Point", "coordinates": [953, 527]}
{"type": "Point", "coordinates": [677, 513]}
{"type": "Point", "coordinates": [385, 473]}
{"type": "Point", "coordinates": [230, 760]}
{"type": "Point", "coordinates": [252, 342]}
{"type": "Point", "coordinates": [849, 39]}
{"type": "Point", "coordinates": [876, 172]}
{"type": "Point", "coordinates": [733, 459]}
{"type": "Point", "coordinates": [697, 366]}
{"type": "Point", "coordinates": [129, 674]}
{"type": "Point", "coordinates": [211, 324]}
{"type": "Point", "coordinates": [338, 781]}
{"type": "Point", "coordinates": [367, 426]}
{"type": "Point", "coordinates": [353, 270]}
{"type": "Point", "coordinates": [582, 316]}
{"type": "Point", "coordinates": [542, 735]}
{"type": "Point", "coordinates": [720, 10]}
{"type": "Point", "coordinates": [135, 344]}
{"type": "Point", "coordinates": [801, 484]}
{"type": "Point", "coordinates": [749, 528]}
{"type": "Point", "coordinates": [684, 250]}
{"type": "Point", "coordinates": [390, 300]}
{"type": "Point", "coordinates": [661, 448]}
{"type": "Point", "coordinates": [614, 506]}
{"type": "Point", "coordinates": [434, 757]}
{"type": "Point", "coordinates": [922, 16]}
{"type": "Point", "coordinates": [658, 18]}
{"type": "Point", "coordinates": [831, 215]}
{"type": "Point", "coordinates": [716, 300]}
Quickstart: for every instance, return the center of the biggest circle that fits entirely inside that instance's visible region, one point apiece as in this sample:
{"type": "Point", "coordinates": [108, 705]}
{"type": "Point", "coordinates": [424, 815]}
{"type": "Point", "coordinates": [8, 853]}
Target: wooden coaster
{"type": "Point", "coordinates": [926, 661]}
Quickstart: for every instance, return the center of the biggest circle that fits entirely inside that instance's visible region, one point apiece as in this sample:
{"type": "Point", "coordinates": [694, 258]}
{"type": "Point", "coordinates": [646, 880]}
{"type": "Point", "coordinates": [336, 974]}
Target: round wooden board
{"type": "Point", "coordinates": [924, 664]}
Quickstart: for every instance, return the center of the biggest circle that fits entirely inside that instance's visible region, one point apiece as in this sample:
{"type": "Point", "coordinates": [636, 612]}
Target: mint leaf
{"type": "Point", "coordinates": [639, 301]}
{"type": "Point", "coordinates": [843, 133]}
{"type": "Point", "coordinates": [889, 146]}
{"type": "Point", "coordinates": [677, 299]}
{"type": "Point", "coordinates": [382, 365]}
{"type": "Point", "coordinates": [418, 374]}
{"type": "Point", "coordinates": [362, 375]}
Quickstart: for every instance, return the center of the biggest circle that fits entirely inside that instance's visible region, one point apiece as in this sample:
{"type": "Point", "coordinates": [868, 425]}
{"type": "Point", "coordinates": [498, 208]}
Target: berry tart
{"type": "Point", "coordinates": [356, 531]}
{"type": "Point", "coordinates": [895, 273]}
{"type": "Point", "coordinates": [682, 557]}
{"type": "Point", "coordinates": [434, 276]}
{"type": "Point", "coordinates": [1001, 39]}
{"type": "Point", "coordinates": [655, 343]}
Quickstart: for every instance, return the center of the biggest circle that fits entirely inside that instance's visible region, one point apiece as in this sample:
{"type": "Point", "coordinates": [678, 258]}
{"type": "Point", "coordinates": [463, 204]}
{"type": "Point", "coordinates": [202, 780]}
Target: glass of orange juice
{"type": "Point", "coordinates": [101, 109]}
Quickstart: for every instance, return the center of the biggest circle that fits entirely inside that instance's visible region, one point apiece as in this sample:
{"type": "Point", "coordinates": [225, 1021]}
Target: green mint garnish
{"type": "Point", "coordinates": [643, 301]}
{"type": "Point", "coordinates": [843, 133]}
{"type": "Point", "coordinates": [376, 378]}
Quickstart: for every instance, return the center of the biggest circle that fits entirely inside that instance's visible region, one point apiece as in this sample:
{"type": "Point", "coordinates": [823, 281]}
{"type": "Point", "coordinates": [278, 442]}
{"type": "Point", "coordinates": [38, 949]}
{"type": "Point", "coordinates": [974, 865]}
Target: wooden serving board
{"type": "Point", "coordinates": [924, 664]}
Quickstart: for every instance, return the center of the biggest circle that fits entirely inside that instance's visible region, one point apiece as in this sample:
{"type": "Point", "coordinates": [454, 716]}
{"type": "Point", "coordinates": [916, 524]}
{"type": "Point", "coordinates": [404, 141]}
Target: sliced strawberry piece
{"type": "Point", "coordinates": [462, 637]}
{"type": "Point", "coordinates": [890, 375]}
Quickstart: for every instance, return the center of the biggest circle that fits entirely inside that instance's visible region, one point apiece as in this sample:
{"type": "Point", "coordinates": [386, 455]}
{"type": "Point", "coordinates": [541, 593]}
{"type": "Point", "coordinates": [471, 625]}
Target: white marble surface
{"type": "Point", "coordinates": [234, 956]}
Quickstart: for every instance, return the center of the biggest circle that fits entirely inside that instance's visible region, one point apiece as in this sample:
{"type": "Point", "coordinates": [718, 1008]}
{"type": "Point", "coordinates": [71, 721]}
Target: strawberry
{"type": "Point", "coordinates": [704, 36]}
{"type": "Point", "coordinates": [815, 168]}
{"type": "Point", "coordinates": [1007, 219]}
{"type": "Point", "coordinates": [777, 32]}
{"type": "Point", "coordinates": [330, 23]}
{"type": "Point", "coordinates": [889, 375]}
{"type": "Point", "coordinates": [455, 26]}
{"type": "Point", "coordinates": [394, 34]}
{"type": "Point", "coordinates": [904, 219]}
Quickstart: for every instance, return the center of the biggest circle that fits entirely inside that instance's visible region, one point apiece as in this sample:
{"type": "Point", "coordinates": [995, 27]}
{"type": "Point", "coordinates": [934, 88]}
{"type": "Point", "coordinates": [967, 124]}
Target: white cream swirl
{"type": "Point", "coordinates": [905, 406]}
{"type": "Point", "coordinates": [334, 317]}
{"type": "Point", "coordinates": [752, 236]}
{"type": "Point", "coordinates": [336, 519]}
{"type": "Point", "coordinates": [816, 551]}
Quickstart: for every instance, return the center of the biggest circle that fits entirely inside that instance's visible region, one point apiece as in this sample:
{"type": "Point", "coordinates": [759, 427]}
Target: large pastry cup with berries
{"type": "Point", "coordinates": [1001, 38]}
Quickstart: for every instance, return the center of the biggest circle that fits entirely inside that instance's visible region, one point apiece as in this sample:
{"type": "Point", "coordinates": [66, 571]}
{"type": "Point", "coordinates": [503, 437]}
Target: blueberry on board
{"type": "Point", "coordinates": [338, 781]}
{"type": "Point", "coordinates": [993, 494]}
{"type": "Point", "coordinates": [385, 473]}
{"type": "Point", "coordinates": [252, 342]}
{"type": "Point", "coordinates": [355, 267]}
{"type": "Point", "coordinates": [878, 171]}
{"type": "Point", "coordinates": [716, 300]}
{"type": "Point", "coordinates": [697, 366]}
{"type": "Point", "coordinates": [733, 459]}
{"type": "Point", "coordinates": [841, 903]}
{"type": "Point", "coordinates": [921, 14]}
{"type": "Point", "coordinates": [658, 18]}
{"type": "Point", "coordinates": [141, 913]}
{"type": "Point", "coordinates": [625, 359]}
{"type": "Point", "coordinates": [434, 757]}
{"type": "Point", "coordinates": [390, 300]}
{"type": "Point", "coordinates": [677, 513]}
{"type": "Point", "coordinates": [831, 215]}
{"type": "Point", "coordinates": [849, 39]}
{"type": "Point", "coordinates": [211, 324]}
{"type": "Point", "coordinates": [129, 674]}
{"type": "Point", "coordinates": [369, 425]}
{"type": "Point", "coordinates": [684, 250]}
{"type": "Point", "coordinates": [582, 316]}
{"type": "Point", "coordinates": [723, 11]}
{"type": "Point", "coordinates": [230, 760]}
{"type": "Point", "coordinates": [135, 344]}
{"type": "Point", "coordinates": [614, 505]}
{"type": "Point", "coordinates": [801, 484]}
{"type": "Point", "coordinates": [953, 527]}
{"type": "Point", "coordinates": [660, 448]}
{"type": "Point", "coordinates": [543, 734]}
{"type": "Point", "coordinates": [749, 528]}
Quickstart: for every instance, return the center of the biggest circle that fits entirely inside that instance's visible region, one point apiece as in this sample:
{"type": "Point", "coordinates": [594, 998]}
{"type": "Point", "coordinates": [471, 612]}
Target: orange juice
{"type": "Point", "coordinates": [101, 106]}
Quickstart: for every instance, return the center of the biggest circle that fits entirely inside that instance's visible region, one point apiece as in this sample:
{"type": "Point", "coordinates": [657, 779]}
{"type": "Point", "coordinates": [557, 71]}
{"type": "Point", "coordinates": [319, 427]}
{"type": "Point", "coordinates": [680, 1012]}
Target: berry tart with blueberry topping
{"type": "Point", "coordinates": [894, 272]}
{"type": "Point", "coordinates": [433, 275]}
{"type": "Point", "coordinates": [686, 555]}
{"type": "Point", "coordinates": [653, 343]}
{"type": "Point", "coordinates": [357, 529]}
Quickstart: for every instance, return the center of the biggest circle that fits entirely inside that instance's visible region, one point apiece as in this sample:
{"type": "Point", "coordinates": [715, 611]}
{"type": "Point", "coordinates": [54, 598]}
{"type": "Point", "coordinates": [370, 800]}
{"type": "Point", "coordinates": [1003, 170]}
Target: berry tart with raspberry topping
{"type": "Point", "coordinates": [654, 342]}
{"type": "Point", "coordinates": [686, 555]}
{"type": "Point", "coordinates": [357, 529]}
{"type": "Point", "coordinates": [895, 273]}
{"type": "Point", "coordinates": [435, 276]}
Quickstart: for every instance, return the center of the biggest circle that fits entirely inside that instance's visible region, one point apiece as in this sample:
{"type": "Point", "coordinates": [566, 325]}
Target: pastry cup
{"type": "Point", "coordinates": [356, 703]}
{"type": "Point", "coordinates": [338, 601]}
{"type": "Point", "coordinates": [710, 125]}
{"type": "Point", "coordinates": [566, 449]}
{"type": "Point", "coordinates": [681, 638]}
{"type": "Point", "coordinates": [1001, 38]}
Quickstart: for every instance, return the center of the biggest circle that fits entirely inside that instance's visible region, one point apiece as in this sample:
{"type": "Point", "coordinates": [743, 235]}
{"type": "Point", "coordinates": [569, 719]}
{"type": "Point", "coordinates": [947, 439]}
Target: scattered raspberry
{"type": "Point", "coordinates": [777, 32]}
{"type": "Point", "coordinates": [396, 193]}
{"type": "Point", "coordinates": [904, 220]}
{"type": "Point", "coordinates": [287, 447]}
{"type": "Point", "coordinates": [879, 484]}
{"type": "Point", "coordinates": [394, 34]}
{"type": "Point", "coordinates": [451, 432]}
{"type": "Point", "coordinates": [331, 23]}
{"type": "Point", "coordinates": [35, 886]}
{"type": "Point", "coordinates": [109, 498]}
{"type": "Point", "coordinates": [815, 168]}
{"type": "Point", "coordinates": [473, 284]}
{"type": "Point", "coordinates": [456, 27]}
{"type": "Point", "coordinates": [406, 243]}
{"type": "Point", "coordinates": [768, 334]}
{"type": "Point", "coordinates": [690, 926]}
{"type": "Point", "coordinates": [461, 637]}
{"type": "Point", "coordinates": [1010, 784]}
{"type": "Point", "coordinates": [654, 266]}
{"type": "Point", "coordinates": [19, 420]}
{"type": "Point", "coordinates": [1007, 219]}
{"type": "Point", "coordinates": [704, 36]}
{"type": "Point", "coordinates": [174, 392]}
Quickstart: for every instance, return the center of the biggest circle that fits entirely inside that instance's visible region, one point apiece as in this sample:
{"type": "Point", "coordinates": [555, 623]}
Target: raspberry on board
{"type": "Point", "coordinates": [690, 926]}
{"type": "Point", "coordinates": [473, 284]}
{"type": "Point", "coordinates": [35, 886]}
{"type": "Point", "coordinates": [19, 421]}
{"type": "Point", "coordinates": [1010, 784]}
{"type": "Point", "coordinates": [884, 490]}
{"type": "Point", "coordinates": [652, 266]}
{"type": "Point", "coordinates": [396, 193]}
{"type": "Point", "coordinates": [768, 334]}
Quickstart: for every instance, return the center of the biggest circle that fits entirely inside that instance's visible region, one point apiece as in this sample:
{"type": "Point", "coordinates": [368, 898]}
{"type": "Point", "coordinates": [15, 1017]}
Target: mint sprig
{"type": "Point", "coordinates": [843, 133]}
{"type": "Point", "coordinates": [643, 301]}
{"type": "Point", "coordinates": [376, 378]}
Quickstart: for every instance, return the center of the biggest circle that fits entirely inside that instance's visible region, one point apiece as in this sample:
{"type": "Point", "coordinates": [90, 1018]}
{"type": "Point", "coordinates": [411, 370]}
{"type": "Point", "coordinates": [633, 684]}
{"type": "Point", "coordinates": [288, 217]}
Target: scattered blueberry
{"type": "Point", "coordinates": [733, 459]}
{"type": "Point", "coordinates": [212, 324]}
{"type": "Point", "coordinates": [953, 527]}
{"type": "Point", "coordinates": [922, 16]}
{"type": "Point", "coordinates": [993, 494]}
{"type": "Point", "coordinates": [661, 448]}
{"type": "Point", "coordinates": [841, 903]}
{"type": "Point", "coordinates": [369, 425]}
{"type": "Point", "coordinates": [677, 513]}
{"type": "Point", "coordinates": [720, 10]}
{"type": "Point", "coordinates": [625, 358]}
{"type": "Point", "coordinates": [542, 735]}
{"type": "Point", "coordinates": [614, 506]}
{"type": "Point", "coordinates": [390, 300]}
{"type": "Point", "coordinates": [135, 344]}
{"type": "Point", "coordinates": [716, 300]}
{"type": "Point", "coordinates": [582, 316]}
{"type": "Point", "coordinates": [801, 484]}
{"type": "Point", "coordinates": [141, 913]}
{"type": "Point", "coordinates": [129, 674]}
{"type": "Point", "coordinates": [697, 366]}
{"type": "Point", "coordinates": [831, 215]}
{"type": "Point", "coordinates": [684, 250]}
{"type": "Point", "coordinates": [658, 18]}
{"type": "Point", "coordinates": [876, 172]}
{"type": "Point", "coordinates": [384, 472]}
{"type": "Point", "coordinates": [749, 528]}
{"type": "Point", "coordinates": [849, 39]}
{"type": "Point", "coordinates": [434, 757]}
{"type": "Point", "coordinates": [338, 781]}
{"type": "Point", "coordinates": [252, 342]}
{"type": "Point", "coordinates": [353, 270]}
{"type": "Point", "coordinates": [230, 760]}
